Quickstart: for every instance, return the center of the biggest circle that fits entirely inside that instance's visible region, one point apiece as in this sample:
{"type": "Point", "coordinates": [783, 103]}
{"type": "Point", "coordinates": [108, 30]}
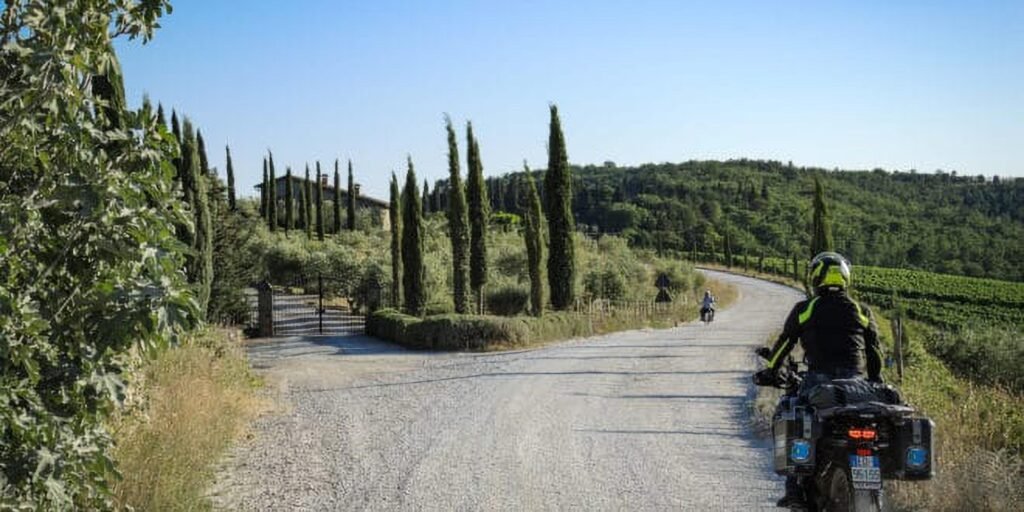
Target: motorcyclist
{"type": "Point", "coordinates": [707, 305]}
{"type": "Point", "coordinates": [834, 331]}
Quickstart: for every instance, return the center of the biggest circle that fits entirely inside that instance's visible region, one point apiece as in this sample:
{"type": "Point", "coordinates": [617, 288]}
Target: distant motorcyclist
{"type": "Point", "coordinates": [707, 307]}
{"type": "Point", "coordinates": [834, 331]}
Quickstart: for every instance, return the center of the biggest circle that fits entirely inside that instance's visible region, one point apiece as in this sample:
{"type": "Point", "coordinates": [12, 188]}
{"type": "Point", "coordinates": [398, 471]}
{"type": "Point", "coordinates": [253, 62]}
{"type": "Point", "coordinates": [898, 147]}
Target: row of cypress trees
{"type": "Point", "coordinates": [192, 174]}
{"type": "Point", "coordinates": [311, 201]}
{"type": "Point", "coordinates": [468, 212]}
{"type": "Point", "coordinates": [210, 204]}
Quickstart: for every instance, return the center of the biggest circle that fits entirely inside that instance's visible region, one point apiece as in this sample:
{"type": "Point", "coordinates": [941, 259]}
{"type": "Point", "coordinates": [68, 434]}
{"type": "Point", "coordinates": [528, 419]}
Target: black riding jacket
{"type": "Point", "coordinates": [835, 333]}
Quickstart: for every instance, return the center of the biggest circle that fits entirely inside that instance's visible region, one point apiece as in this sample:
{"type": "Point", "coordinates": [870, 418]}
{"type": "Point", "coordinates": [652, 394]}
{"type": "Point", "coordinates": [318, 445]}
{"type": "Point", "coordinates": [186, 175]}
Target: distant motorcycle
{"type": "Point", "coordinates": [846, 437]}
{"type": "Point", "coordinates": [707, 315]}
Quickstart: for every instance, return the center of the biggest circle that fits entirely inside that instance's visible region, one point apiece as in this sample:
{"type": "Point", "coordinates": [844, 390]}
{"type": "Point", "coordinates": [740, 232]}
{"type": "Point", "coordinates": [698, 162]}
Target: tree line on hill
{"type": "Point", "coordinates": [938, 222]}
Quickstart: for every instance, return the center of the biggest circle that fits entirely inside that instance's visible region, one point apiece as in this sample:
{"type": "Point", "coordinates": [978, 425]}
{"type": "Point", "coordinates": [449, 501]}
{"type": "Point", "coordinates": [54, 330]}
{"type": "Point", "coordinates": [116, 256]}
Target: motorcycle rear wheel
{"type": "Point", "coordinates": [842, 497]}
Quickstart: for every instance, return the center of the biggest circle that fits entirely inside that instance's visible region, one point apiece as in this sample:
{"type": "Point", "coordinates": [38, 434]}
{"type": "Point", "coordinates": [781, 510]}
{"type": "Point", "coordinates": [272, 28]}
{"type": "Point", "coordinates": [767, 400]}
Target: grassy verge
{"type": "Point", "coordinates": [492, 333]}
{"type": "Point", "coordinates": [188, 404]}
{"type": "Point", "coordinates": [980, 437]}
{"type": "Point", "coordinates": [980, 434]}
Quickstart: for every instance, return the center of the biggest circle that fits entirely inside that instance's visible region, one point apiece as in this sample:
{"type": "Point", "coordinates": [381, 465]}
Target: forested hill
{"type": "Point", "coordinates": [940, 222]}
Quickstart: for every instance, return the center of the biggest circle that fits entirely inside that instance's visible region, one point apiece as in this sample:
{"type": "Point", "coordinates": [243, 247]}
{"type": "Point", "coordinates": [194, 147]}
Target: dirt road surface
{"type": "Point", "coordinates": [641, 420]}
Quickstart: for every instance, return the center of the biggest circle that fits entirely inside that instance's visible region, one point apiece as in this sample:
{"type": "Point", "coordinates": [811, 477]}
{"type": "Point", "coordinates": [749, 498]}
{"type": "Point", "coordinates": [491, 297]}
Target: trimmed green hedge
{"type": "Point", "coordinates": [508, 301]}
{"type": "Point", "coordinates": [447, 332]}
{"type": "Point", "coordinates": [480, 332]}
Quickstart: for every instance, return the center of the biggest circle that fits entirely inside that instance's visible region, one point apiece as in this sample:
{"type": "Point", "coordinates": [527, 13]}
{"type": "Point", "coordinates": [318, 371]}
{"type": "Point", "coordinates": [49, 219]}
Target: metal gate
{"type": "Point", "coordinates": [307, 307]}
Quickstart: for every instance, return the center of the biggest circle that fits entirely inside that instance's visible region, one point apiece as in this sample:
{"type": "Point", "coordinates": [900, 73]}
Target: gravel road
{"type": "Point", "coordinates": [641, 420]}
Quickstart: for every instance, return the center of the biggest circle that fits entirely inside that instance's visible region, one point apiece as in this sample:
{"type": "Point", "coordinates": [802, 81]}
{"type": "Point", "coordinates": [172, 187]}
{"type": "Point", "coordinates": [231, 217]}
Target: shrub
{"type": "Point", "coordinates": [681, 277]}
{"type": "Point", "coordinates": [605, 284]}
{"type": "Point", "coordinates": [446, 332]}
{"type": "Point", "coordinates": [508, 301]}
{"type": "Point", "coordinates": [987, 354]}
{"type": "Point", "coordinates": [454, 332]}
{"type": "Point", "coordinates": [389, 324]}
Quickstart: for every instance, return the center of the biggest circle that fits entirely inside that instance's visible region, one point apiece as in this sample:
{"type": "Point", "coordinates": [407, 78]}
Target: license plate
{"type": "Point", "coordinates": [865, 472]}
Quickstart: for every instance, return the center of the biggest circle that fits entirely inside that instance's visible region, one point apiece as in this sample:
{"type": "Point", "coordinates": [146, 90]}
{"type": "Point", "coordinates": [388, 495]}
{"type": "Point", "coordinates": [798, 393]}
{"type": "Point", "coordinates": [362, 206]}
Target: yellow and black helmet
{"type": "Point", "coordinates": [829, 271]}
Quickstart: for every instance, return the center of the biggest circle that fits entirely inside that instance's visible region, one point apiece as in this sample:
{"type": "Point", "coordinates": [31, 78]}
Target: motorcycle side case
{"type": "Point", "coordinates": [914, 433]}
{"type": "Point", "coordinates": [793, 422]}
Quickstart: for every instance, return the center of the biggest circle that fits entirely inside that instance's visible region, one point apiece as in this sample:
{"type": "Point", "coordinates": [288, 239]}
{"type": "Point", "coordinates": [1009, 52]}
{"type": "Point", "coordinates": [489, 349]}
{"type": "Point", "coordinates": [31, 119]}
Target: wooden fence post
{"type": "Point", "coordinates": [899, 347]}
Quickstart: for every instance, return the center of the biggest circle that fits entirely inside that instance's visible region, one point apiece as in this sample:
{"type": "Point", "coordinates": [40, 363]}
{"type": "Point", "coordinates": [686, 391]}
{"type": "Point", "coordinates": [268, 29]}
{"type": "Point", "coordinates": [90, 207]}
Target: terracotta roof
{"type": "Point", "coordinates": [362, 198]}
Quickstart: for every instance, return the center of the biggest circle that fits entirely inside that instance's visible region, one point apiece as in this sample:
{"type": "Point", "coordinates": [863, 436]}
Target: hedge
{"type": "Point", "coordinates": [480, 332]}
{"type": "Point", "coordinates": [447, 332]}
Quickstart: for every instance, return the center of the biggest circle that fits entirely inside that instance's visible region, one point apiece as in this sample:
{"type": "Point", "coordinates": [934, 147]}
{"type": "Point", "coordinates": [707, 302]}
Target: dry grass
{"type": "Point", "coordinates": [193, 401]}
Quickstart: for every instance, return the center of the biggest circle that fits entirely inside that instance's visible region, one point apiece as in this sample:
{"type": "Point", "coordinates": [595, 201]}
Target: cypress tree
{"type": "Point", "coordinates": [160, 115]}
{"type": "Point", "coordinates": [176, 128]}
{"type": "Point", "coordinates": [232, 204]}
{"type": "Point", "coordinates": [728, 249]}
{"type": "Point", "coordinates": [337, 198]}
{"type": "Point", "coordinates": [204, 163]}
{"type": "Point", "coordinates": [308, 214]}
{"type": "Point", "coordinates": [213, 187]}
{"type": "Point", "coordinates": [558, 199]}
{"type": "Point", "coordinates": [300, 220]}
{"type": "Point", "coordinates": [426, 198]}
{"type": "Point", "coordinates": [352, 193]}
{"type": "Point", "coordinates": [413, 269]}
{"type": "Point", "coordinates": [821, 231]}
{"type": "Point", "coordinates": [178, 171]}
{"type": "Point", "coordinates": [516, 202]}
{"type": "Point", "coordinates": [272, 195]}
{"type": "Point", "coordinates": [201, 269]}
{"type": "Point", "coordinates": [108, 89]}
{"type": "Point", "coordinates": [478, 214]}
{"type": "Point", "coordinates": [499, 192]}
{"type": "Point", "coordinates": [319, 203]}
{"type": "Point", "coordinates": [289, 203]}
{"type": "Point", "coordinates": [395, 215]}
{"type": "Point", "coordinates": [265, 192]}
{"type": "Point", "coordinates": [457, 223]}
{"type": "Point", "coordinates": [534, 244]}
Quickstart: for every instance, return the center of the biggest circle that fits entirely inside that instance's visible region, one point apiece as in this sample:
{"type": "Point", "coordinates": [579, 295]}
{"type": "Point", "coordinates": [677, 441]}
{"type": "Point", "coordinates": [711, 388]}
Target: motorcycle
{"type": "Point", "coordinates": [707, 315]}
{"type": "Point", "coordinates": [845, 438]}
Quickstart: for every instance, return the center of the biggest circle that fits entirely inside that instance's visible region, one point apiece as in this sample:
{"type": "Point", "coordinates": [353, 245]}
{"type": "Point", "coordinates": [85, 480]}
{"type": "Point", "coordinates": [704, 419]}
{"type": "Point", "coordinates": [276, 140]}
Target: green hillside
{"type": "Point", "coordinates": [940, 222]}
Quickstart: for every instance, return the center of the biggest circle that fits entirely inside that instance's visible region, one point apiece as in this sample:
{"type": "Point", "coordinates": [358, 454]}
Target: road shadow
{"type": "Point", "coordinates": [265, 351]}
{"type": "Point", "coordinates": [667, 345]}
{"type": "Point", "coordinates": [582, 373]}
{"type": "Point", "coordinates": [665, 397]}
{"type": "Point", "coordinates": [584, 358]}
{"type": "Point", "coordinates": [643, 432]}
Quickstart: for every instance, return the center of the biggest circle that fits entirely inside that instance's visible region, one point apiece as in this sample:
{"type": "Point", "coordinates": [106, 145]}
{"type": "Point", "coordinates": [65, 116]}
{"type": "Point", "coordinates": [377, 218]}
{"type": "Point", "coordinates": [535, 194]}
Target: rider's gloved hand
{"type": "Point", "coordinates": [766, 377]}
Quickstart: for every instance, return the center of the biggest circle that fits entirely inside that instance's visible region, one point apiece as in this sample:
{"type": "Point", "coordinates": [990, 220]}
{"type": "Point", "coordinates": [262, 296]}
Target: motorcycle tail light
{"type": "Point", "coordinates": [865, 434]}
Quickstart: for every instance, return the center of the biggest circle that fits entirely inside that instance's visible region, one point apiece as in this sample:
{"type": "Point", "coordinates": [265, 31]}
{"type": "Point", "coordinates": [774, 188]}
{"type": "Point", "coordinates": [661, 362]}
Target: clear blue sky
{"type": "Point", "coordinates": [899, 85]}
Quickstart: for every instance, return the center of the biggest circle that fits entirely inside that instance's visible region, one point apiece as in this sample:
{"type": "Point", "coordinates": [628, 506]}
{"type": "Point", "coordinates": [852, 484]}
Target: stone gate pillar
{"type": "Point", "coordinates": [266, 309]}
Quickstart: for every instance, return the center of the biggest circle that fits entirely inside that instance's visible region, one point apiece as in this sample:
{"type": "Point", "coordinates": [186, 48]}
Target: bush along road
{"type": "Point", "coordinates": [639, 420]}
